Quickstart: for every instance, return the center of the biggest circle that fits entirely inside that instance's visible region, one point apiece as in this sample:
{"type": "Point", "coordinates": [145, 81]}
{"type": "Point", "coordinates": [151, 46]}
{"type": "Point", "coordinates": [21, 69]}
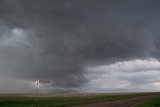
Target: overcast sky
{"type": "Point", "coordinates": [80, 45]}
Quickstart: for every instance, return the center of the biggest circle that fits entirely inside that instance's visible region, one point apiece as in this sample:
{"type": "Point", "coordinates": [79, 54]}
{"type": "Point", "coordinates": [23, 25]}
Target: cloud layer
{"type": "Point", "coordinates": [126, 76]}
{"type": "Point", "coordinates": [56, 41]}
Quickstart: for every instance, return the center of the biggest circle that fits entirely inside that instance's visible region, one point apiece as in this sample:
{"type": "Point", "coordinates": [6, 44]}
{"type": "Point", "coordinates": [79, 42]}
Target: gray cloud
{"type": "Point", "coordinates": [125, 76]}
{"type": "Point", "coordinates": [55, 40]}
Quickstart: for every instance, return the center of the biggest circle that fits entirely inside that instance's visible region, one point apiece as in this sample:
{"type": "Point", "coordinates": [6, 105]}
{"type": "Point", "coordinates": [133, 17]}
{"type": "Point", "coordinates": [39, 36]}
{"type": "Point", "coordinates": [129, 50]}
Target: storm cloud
{"type": "Point", "coordinates": [56, 40]}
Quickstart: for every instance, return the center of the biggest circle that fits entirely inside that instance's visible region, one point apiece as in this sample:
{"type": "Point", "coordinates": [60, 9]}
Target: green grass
{"type": "Point", "coordinates": [150, 103]}
{"type": "Point", "coordinates": [17, 100]}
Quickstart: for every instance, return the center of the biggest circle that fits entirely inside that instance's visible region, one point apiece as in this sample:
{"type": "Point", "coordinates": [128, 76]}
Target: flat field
{"type": "Point", "coordinates": [155, 102]}
{"type": "Point", "coordinates": [75, 99]}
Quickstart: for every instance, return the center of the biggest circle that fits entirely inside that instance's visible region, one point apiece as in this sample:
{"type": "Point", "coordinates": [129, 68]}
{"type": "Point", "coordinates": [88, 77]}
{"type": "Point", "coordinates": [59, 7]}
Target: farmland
{"type": "Point", "coordinates": [65, 100]}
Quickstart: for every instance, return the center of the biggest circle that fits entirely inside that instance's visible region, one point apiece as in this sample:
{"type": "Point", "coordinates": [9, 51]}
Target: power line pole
{"type": "Point", "coordinates": [36, 89]}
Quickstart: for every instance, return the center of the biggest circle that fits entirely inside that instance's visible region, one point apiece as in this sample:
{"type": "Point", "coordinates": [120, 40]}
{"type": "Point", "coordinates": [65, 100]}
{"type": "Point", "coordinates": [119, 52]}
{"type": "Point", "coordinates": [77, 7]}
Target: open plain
{"type": "Point", "coordinates": [77, 100]}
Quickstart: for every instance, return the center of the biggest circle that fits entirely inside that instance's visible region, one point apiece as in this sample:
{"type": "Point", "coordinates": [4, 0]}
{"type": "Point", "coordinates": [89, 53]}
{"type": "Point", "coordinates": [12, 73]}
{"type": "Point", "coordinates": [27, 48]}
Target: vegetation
{"type": "Point", "coordinates": [28, 100]}
{"type": "Point", "coordinates": [150, 103]}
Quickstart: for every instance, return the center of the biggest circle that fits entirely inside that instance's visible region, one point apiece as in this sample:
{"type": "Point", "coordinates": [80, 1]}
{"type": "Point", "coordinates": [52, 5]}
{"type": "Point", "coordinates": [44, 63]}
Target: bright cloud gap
{"type": "Point", "coordinates": [133, 75]}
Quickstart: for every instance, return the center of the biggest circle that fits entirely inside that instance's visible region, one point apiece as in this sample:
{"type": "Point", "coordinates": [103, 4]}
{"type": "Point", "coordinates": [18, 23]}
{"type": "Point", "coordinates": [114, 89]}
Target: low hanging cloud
{"type": "Point", "coordinates": [51, 40]}
{"type": "Point", "coordinates": [131, 66]}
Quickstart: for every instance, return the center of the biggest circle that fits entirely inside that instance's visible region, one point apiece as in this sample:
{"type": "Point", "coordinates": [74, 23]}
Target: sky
{"type": "Point", "coordinates": [79, 45]}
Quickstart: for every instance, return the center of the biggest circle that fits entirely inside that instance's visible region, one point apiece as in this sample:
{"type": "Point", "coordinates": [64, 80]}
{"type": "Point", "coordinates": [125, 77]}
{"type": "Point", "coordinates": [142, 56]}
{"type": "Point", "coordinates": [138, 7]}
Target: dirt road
{"type": "Point", "coordinates": [120, 103]}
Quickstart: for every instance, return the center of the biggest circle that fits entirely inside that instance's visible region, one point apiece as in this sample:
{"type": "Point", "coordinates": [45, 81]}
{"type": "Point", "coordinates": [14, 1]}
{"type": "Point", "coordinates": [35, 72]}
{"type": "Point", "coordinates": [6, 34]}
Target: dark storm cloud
{"type": "Point", "coordinates": [55, 39]}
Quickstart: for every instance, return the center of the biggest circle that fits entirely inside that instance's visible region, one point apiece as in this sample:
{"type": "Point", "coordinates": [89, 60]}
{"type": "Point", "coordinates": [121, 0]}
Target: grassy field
{"type": "Point", "coordinates": [150, 103]}
{"type": "Point", "coordinates": [60, 100]}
